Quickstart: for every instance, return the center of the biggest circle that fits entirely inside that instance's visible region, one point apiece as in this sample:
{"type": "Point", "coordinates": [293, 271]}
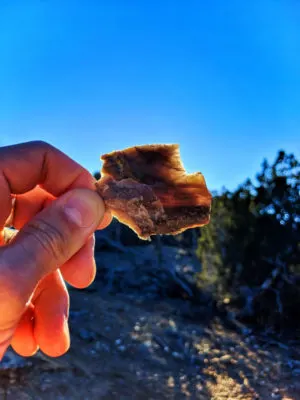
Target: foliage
{"type": "Point", "coordinates": [250, 251]}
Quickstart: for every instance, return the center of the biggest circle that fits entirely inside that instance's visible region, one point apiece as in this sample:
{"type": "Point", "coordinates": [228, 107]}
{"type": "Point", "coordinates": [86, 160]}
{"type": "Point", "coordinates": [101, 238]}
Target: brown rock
{"type": "Point", "coordinates": [147, 188]}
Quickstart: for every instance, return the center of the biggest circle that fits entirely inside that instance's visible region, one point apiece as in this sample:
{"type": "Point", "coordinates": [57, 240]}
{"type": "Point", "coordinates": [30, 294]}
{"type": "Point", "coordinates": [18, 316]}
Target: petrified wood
{"type": "Point", "coordinates": [147, 188]}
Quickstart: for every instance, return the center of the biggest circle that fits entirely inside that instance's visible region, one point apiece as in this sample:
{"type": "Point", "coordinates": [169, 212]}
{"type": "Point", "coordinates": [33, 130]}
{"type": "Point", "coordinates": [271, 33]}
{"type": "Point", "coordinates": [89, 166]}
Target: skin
{"type": "Point", "coordinates": [57, 211]}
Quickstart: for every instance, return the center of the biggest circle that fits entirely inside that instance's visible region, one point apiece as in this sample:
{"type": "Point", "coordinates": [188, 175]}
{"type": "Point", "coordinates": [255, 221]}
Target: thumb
{"type": "Point", "coordinates": [52, 237]}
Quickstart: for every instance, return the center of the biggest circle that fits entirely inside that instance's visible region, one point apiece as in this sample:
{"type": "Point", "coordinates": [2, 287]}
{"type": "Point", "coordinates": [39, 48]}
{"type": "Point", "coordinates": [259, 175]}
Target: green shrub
{"type": "Point", "coordinates": [252, 244]}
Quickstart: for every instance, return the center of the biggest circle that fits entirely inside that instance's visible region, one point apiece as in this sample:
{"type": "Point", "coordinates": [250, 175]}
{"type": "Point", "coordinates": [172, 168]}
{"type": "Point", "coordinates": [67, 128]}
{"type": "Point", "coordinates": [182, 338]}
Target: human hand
{"type": "Point", "coordinates": [56, 212]}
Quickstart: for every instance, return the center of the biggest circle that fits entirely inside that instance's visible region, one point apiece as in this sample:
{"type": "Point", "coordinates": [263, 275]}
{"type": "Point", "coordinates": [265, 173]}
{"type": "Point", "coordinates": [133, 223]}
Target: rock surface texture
{"type": "Point", "coordinates": [147, 188]}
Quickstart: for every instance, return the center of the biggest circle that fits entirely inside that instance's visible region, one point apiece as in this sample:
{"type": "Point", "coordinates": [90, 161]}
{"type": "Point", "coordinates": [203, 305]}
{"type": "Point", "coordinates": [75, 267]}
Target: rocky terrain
{"type": "Point", "coordinates": [136, 334]}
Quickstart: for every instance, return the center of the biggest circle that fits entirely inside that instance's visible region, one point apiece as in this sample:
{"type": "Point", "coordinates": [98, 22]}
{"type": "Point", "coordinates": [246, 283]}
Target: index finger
{"type": "Point", "coordinates": [26, 165]}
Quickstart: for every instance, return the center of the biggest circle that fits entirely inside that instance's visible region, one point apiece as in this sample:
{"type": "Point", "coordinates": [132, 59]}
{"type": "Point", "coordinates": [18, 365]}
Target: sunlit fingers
{"type": "Point", "coordinates": [23, 341]}
{"type": "Point", "coordinates": [29, 204]}
{"type": "Point", "coordinates": [80, 270]}
{"type": "Point", "coordinates": [51, 303]}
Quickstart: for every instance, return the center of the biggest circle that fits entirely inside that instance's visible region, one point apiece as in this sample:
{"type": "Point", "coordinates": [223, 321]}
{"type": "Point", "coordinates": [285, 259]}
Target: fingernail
{"type": "Point", "coordinates": [83, 209]}
{"type": "Point", "coordinates": [106, 220]}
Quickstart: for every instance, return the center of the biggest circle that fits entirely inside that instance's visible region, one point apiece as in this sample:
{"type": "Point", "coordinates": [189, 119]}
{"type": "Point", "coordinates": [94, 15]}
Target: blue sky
{"type": "Point", "coordinates": [221, 78]}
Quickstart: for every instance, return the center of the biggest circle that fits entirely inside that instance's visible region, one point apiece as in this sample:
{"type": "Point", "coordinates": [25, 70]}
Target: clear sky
{"type": "Point", "coordinates": [221, 78]}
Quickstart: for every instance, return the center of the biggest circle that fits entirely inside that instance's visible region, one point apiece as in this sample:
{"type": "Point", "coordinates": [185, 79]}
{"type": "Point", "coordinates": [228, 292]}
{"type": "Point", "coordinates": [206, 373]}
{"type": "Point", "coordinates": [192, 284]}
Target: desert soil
{"type": "Point", "coordinates": [126, 348]}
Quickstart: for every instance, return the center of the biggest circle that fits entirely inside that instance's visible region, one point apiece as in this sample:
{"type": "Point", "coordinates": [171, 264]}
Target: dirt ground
{"type": "Point", "coordinates": [127, 348]}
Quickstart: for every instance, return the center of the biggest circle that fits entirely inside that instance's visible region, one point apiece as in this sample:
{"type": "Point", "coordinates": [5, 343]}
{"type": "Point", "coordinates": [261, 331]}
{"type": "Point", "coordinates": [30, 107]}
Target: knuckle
{"type": "Point", "coordinates": [11, 293]}
{"type": "Point", "coordinates": [44, 147]}
{"type": "Point", "coordinates": [41, 144]}
{"type": "Point", "coordinates": [49, 238]}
